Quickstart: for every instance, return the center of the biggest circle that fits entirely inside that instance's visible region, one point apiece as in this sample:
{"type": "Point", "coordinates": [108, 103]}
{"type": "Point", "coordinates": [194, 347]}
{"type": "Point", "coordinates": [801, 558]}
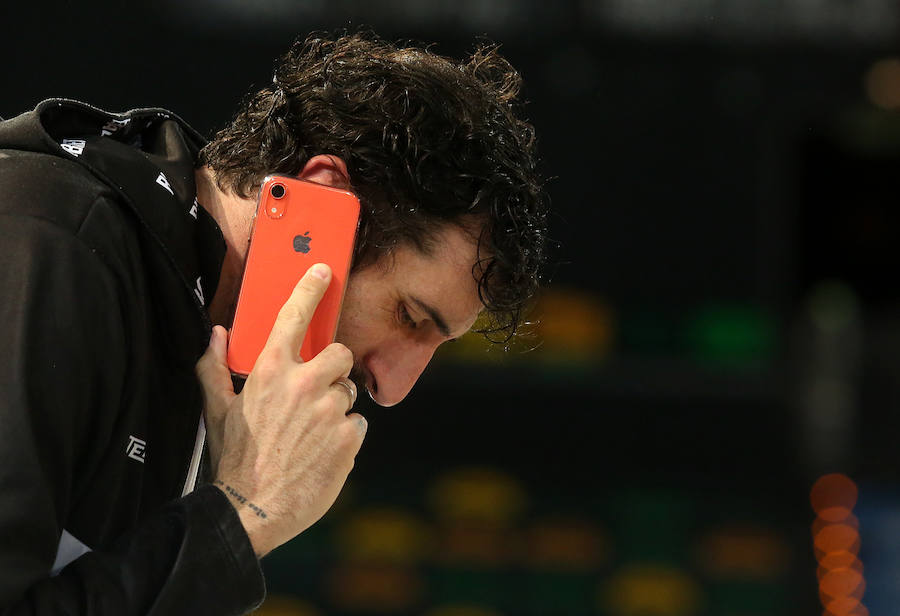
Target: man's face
{"type": "Point", "coordinates": [399, 310]}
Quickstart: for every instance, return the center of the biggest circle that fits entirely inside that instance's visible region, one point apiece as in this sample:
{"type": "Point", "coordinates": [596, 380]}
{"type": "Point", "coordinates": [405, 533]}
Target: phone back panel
{"type": "Point", "coordinates": [310, 223]}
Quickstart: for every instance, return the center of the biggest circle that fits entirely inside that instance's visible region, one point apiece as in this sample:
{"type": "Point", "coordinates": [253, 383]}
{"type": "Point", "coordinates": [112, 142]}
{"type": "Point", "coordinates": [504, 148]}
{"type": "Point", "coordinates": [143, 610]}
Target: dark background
{"type": "Point", "coordinates": [719, 329]}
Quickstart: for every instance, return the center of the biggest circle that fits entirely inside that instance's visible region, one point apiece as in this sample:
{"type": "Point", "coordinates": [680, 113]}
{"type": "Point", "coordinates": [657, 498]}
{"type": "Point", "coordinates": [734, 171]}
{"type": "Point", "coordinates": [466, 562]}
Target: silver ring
{"type": "Point", "coordinates": [350, 386]}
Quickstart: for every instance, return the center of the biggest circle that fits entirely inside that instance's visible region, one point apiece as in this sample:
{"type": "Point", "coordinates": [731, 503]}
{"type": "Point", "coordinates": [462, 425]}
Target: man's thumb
{"type": "Point", "coordinates": [213, 373]}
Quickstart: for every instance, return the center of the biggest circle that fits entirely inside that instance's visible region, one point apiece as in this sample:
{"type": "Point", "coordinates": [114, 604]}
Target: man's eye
{"type": "Point", "coordinates": [405, 318]}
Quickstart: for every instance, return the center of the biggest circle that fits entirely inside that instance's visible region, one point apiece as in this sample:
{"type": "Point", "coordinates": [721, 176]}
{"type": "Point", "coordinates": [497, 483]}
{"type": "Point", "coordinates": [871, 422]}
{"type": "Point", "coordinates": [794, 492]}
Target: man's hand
{"type": "Point", "coordinates": [282, 448]}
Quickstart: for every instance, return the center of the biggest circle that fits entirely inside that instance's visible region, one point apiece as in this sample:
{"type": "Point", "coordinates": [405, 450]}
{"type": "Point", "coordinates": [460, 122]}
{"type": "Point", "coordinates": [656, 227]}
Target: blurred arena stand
{"type": "Point", "coordinates": [721, 326]}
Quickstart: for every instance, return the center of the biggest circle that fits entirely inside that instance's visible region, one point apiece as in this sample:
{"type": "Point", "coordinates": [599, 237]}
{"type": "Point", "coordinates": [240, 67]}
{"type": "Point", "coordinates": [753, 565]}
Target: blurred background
{"type": "Point", "coordinates": [721, 325]}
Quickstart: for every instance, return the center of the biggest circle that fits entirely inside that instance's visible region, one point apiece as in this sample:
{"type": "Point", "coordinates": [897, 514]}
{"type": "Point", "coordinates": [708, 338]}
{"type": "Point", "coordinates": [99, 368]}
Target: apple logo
{"type": "Point", "coordinates": [301, 243]}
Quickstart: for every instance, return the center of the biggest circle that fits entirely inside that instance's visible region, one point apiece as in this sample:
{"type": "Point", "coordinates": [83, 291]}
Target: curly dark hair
{"type": "Point", "coordinates": [428, 141]}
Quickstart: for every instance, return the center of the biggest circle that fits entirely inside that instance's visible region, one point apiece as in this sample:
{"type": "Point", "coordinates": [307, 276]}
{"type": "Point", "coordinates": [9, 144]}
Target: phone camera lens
{"type": "Point", "coordinates": [277, 191]}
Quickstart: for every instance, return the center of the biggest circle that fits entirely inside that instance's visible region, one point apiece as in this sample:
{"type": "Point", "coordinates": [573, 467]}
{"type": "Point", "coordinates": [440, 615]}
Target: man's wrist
{"type": "Point", "coordinates": [252, 516]}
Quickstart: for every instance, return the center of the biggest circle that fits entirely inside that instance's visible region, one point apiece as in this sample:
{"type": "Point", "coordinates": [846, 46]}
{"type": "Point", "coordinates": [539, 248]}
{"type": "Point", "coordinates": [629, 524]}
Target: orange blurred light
{"type": "Point", "coordinates": [841, 558]}
{"type": "Point", "coordinates": [838, 563]}
{"type": "Point", "coordinates": [882, 83]}
{"type": "Point", "coordinates": [850, 520]}
{"type": "Point", "coordinates": [564, 543]}
{"type": "Point", "coordinates": [836, 544]}
{"type": "Point", "coordinates": [842, 583]}
{"type": "Point", "coordinates": [859, 610]}
{"type": "Point", "coordinates": [833, 497]}
{"type": "Point", "coordinates": [836, 538]}
{"type": "Point", "coordinates": [375, 587]}
{"type": "Point", "coordinates": [845, 606]}
{"type": "Point", "coordinates": [744, 552]}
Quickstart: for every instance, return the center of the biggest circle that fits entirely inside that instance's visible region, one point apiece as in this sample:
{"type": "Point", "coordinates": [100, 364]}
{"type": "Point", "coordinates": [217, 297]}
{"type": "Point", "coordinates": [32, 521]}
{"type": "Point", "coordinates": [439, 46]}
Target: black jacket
{"type": "Point", "coordinates": [106, 263]}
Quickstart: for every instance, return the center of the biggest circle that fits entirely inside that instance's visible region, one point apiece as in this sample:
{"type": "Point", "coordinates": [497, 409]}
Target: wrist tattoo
{"type": "Point", "coordinates": [235, 495]}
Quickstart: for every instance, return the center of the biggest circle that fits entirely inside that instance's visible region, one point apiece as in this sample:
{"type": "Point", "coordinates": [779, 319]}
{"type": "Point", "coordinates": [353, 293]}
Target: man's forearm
{"type": "Point", "coordinates": [192, 557]}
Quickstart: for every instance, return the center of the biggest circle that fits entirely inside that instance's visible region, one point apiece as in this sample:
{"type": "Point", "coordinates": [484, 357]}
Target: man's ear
{"type": "Point", "coordinates": [326, 169]}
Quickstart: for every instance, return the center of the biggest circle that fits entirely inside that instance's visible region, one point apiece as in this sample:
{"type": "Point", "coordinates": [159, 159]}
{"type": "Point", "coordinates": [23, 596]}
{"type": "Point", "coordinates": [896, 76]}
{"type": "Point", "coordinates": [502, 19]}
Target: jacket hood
{"type": "Point", "coordinates": [71, 129]}
{"type": "Point", "coordinates": [147, 157]}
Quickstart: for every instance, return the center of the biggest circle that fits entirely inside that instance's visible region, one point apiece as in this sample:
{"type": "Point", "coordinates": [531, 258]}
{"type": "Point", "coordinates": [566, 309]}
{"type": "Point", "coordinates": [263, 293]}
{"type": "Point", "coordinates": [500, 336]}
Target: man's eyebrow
{"type": "Point", "coordinates": [434, 315]}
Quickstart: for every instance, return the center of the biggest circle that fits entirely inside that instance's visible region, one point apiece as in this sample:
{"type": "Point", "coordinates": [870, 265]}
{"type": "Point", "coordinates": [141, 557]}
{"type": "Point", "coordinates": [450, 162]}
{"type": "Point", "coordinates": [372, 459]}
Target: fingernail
{"type": "Point", "coordinates": [320, 270]}
{"type": "Point", "coordinates": [221, 337]}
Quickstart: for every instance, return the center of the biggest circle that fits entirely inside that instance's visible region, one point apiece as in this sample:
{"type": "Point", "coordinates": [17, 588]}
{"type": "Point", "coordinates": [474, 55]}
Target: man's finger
{"type": "Point", "coordinates": [347, 389]}
{"type": "Point", "coordinates": [296, 313]}
{"type": "Point", "coordinates": [213, 373]}
{"type": "Point", "coordinates": [333, 362]}
{"type": "Point", "coordinates": [362, 426]}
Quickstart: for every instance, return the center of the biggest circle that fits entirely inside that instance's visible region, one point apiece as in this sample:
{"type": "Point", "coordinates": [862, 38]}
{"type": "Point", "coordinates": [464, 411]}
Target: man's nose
{"type": "Point", "coordinates": [395, 368]}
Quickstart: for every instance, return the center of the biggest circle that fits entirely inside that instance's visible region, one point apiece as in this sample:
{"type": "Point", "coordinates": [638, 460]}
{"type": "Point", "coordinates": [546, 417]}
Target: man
{"type": "Point", "coordinates": [122, 239]}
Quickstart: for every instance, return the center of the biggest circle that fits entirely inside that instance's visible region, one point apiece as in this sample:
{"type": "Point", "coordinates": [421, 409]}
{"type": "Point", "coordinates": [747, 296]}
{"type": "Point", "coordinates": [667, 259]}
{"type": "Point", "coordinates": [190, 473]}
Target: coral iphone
{"type": "Point", "coordinates": [298, 224]}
